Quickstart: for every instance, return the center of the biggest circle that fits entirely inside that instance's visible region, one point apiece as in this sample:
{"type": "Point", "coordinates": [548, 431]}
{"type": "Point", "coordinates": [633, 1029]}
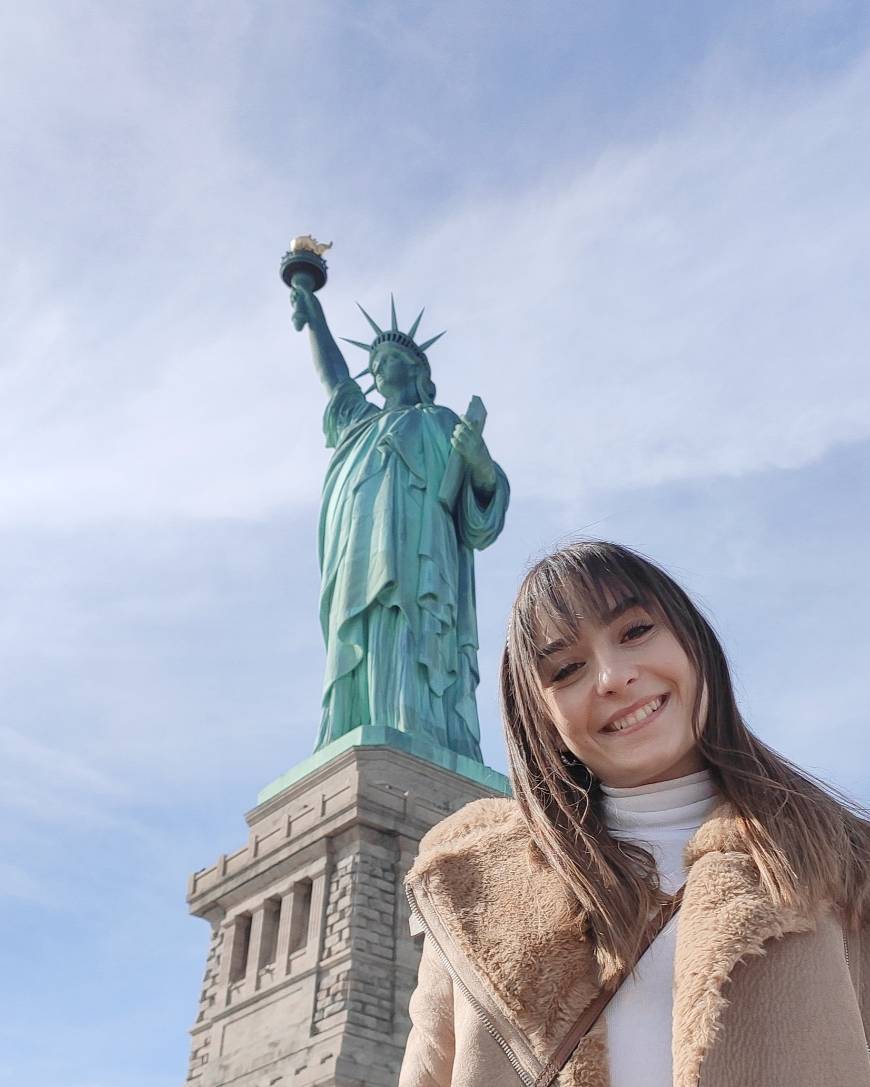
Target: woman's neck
{"type": "Point", "coordinates": [670, 785]}
{"type": "Point", "coordinates": [680, 803]}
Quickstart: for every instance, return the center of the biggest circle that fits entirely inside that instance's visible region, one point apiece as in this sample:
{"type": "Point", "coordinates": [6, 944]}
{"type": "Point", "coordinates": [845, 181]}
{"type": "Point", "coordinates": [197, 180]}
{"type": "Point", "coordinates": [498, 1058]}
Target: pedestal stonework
{"type": "Point", "coordinates": [311, 964]}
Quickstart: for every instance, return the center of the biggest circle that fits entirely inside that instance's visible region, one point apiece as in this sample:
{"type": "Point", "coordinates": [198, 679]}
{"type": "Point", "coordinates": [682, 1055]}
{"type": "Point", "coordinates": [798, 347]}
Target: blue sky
{"type": "Point", "coordinates": [645, 229]}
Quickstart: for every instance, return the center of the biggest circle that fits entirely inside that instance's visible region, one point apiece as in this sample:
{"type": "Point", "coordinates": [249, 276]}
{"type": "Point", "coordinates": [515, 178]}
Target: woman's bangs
{"type": "Point", "coordinates": [562, 596]}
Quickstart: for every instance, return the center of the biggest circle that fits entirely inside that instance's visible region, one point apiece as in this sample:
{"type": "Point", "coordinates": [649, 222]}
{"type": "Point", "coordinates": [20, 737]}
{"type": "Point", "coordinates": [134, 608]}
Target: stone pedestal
{"type": "Point", "coordinates": [311, 964]}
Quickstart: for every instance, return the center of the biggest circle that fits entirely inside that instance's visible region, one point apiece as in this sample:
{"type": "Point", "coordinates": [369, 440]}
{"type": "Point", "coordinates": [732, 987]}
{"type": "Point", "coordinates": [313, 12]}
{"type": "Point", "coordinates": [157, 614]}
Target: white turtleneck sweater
{"type": "Point", "coordinates": [663, 817]}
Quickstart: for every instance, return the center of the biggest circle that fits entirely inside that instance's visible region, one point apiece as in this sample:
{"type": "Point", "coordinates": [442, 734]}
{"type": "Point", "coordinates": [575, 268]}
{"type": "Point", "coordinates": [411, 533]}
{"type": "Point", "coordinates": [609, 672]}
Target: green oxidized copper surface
{"type": "Point", "coordinates": [397, 604]}
{"type": "Point", "coordinates": [379, 736]}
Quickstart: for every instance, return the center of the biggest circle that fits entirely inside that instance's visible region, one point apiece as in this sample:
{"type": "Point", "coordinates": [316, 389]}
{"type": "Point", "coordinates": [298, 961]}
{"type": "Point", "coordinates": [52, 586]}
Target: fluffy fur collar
{"type": "Point", "coordinates": [510, 921]}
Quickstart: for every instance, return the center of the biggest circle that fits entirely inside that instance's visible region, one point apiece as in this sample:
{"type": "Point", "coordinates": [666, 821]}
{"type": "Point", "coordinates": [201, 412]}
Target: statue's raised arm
{"type": "Point", "coordinates": [303, 269]}
{"type": "Point", "coordinates": [410, 493]}
{"type": "Point", "coordinates": [328, 359]}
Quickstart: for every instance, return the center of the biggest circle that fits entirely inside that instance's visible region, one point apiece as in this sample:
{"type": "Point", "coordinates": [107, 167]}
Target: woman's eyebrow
{"type": "Point", "coordinates": [624, 605]}
{"type": "Point", "coordinates": [553, 647]}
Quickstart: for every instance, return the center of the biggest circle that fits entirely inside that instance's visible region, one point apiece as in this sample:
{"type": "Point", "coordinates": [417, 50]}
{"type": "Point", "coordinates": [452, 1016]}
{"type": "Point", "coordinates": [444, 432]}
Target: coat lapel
{"type": "Point", "coordinates": [510, 920]}
{"type": "Point", "coordinates": [726, 916]}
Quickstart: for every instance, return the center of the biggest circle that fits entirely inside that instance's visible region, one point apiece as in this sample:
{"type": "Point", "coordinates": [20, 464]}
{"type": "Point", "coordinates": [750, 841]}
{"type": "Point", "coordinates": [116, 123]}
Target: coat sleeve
{"type": "Point", "coordinates": [428, 1060]}
{"type": "Point", "coordinates": [862, 980]}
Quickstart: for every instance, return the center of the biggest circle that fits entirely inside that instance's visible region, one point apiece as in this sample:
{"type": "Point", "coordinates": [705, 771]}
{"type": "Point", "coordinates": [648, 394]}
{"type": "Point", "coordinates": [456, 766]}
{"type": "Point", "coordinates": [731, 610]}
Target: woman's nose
{"type": "Point", "coordinates": [614, 675]}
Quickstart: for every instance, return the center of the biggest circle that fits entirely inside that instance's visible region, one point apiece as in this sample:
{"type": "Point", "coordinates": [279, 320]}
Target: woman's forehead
{"type": "Point", "coordinates": [550, 627]}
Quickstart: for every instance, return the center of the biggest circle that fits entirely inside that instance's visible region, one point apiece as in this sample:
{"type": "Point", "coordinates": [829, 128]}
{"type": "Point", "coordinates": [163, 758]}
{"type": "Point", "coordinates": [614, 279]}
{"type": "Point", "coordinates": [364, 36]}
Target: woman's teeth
{"type": "Point", "coordinates": [636, 717]}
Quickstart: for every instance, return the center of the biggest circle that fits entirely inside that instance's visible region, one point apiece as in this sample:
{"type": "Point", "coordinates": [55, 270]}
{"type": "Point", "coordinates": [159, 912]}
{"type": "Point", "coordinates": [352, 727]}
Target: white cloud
{"type": "Point", "coordinates": [689, 308]}
{"type": "Point", "coordinates": [17, 883]}
{"type": "Point", "coordinates": [671, 309]}
{"type": "Point", "coordinates": [46, 783]}
{"type": "Point", "coordinates": [633, 309]}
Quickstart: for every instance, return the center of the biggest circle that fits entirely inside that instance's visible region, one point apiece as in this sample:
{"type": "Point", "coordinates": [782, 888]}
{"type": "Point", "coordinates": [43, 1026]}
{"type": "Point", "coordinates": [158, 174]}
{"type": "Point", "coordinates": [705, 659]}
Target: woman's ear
{"type": "Point", "coordinates": [578, 771]}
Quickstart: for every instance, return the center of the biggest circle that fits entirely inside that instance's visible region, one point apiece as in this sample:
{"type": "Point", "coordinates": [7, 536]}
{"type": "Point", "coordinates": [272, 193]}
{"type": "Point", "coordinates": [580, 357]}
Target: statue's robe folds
{"type": "Point", "coordinates": [397, 603]}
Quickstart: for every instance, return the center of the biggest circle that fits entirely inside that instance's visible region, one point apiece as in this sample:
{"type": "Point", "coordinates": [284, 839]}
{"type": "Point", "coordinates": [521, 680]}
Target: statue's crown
{"type": "Point", "coordinates": [394, 335]}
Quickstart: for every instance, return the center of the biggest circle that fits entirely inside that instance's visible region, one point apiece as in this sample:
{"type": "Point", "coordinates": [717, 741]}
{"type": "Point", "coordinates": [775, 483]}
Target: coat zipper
{"type": "Point", "coordinates": [478, 1008]}
{"type": "Point", "coordinates": [472, 1000]}
{"type": "Point", "coordinates": [849, 968]}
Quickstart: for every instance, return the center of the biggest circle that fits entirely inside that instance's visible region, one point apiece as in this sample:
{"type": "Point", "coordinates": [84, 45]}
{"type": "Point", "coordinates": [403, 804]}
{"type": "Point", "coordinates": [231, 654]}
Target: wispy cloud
{"type": "Point", "coordinates": [46, 786]}
{"type": "Point", "coordinates": [17, 883]}
{"type": "Point", "coordinates": [676, 306]}
{"type": "Point", "coordinates": [689, 307]}
{"type": "Point", "coordinates": [645, 235]}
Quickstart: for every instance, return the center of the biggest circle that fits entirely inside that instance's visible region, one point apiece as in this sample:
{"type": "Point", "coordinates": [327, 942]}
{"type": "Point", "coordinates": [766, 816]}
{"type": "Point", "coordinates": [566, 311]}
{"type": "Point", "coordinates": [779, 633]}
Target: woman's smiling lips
{"type": "Point", "coordinates": [658, 702]}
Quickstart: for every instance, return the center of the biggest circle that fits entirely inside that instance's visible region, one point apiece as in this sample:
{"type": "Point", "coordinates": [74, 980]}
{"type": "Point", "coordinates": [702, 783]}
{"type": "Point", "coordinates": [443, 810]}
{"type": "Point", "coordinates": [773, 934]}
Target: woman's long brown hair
{"type": "Point", "coordinates": [808, 844]}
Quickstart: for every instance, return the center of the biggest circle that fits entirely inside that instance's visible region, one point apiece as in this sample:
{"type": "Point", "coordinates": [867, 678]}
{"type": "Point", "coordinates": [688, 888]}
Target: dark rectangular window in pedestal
{"type": "Point", "coordinates": [300, 916]}
{"type": "Point", "coordinates": [269, 938]}
{"type": "Point", "coordinates": [241, 947]}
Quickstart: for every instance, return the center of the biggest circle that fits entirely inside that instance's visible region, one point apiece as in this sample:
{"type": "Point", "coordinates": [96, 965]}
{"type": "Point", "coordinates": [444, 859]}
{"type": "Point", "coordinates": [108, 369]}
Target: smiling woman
{"type": "Point", "coordinates": [667, 901]}
{"type": "Point", "coordinates": [621, 693]}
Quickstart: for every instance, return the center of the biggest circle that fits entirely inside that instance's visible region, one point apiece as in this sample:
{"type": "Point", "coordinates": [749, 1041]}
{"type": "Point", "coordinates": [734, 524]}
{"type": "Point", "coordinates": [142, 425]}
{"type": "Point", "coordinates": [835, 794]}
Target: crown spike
{"type": "Point", "coordinates": [429, 343]}
{"type": "Point", "coordinates": [370, 389]}
{"type": "Point", "coordinates": [357, 343]}
{"type": "Point", "coordinates": [413, 329]}
{"type": "Point", "coordinates": [378, 331]}
{"type": "Point", "coordinates": [362, 373]}
{"type": "Point", "coordinates": [395, 323]}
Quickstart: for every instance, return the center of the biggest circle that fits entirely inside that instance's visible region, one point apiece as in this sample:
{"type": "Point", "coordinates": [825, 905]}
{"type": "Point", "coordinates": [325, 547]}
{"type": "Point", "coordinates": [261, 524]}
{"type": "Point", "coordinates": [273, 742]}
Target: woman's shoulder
{"type": "Point", "coordinates": [478, 874]}
{"type": "Point", "coordinates": [475, 827]}
{"type": "Point", "coordinates": [856, 866]}
{"type": "Point", "coordinates": [478, 817]}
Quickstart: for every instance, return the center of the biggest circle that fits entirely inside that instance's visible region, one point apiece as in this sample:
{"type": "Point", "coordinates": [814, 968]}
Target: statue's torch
{"type": "Point", "coordinates": [303, 264]}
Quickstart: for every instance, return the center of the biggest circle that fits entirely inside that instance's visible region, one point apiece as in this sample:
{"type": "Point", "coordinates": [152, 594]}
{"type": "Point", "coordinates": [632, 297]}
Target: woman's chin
{"type": "Point", "coordinates": [648, 768]}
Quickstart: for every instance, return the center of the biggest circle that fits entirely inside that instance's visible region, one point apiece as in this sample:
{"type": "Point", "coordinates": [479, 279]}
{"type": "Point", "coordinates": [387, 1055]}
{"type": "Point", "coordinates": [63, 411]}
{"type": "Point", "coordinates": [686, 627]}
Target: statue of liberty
{"type": "Point", "coordinates": [396, 541]}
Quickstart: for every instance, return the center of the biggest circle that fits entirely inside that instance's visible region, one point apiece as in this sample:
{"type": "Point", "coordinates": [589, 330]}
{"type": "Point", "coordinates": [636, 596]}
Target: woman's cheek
{"type": "Point", "coordinates": [704, 707]}
{"type": "Point", "coordinates": [570, 710]}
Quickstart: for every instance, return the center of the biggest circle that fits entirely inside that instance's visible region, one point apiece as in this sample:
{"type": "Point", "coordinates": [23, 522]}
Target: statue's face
{"type": "Point", "coordinates": [394, 370]}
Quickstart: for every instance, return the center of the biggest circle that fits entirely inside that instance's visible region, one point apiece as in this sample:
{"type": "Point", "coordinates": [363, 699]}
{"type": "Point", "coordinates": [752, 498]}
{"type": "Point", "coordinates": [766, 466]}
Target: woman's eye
{"type": "Point", "coordinates": [637, 631]}
{"type": "Point", "coordinates": [566, 670]}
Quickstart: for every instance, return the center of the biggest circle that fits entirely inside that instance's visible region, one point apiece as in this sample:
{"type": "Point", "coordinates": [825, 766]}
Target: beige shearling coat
{"type": "Point", "coordinates": [762, 998]}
